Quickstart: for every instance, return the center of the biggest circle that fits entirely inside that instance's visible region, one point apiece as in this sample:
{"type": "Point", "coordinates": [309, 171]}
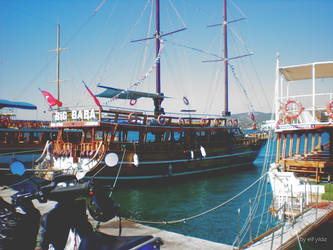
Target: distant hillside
{"type": "Point", "coordinates": [246, 122]}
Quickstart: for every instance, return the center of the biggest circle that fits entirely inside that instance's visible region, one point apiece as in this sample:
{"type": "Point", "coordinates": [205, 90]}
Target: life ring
{"type": "Point", "coordinates": [300, 109]}
{"type": "Point", "coordinates": [181, 122]}
{"type": "Point", "coordinates": [235, 123]}
{"type": "Point", "coordinates": [130, 118]}
{"type": "Point", "coordinates": [230, 123]}
{"type": "Point", "coordinates": [161, 120]}
{"type": "Point", "coordinates": [204, 122]}
{"type": "Point", "coordinates": [216, 123]}
{"type": "Point", "coordinates": [133, 102]}
{"type": "Point", "coordinates": [329, 109]}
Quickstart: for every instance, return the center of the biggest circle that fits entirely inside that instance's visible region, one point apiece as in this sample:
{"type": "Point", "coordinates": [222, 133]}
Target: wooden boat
{"type": "Point", "coordinates": [21, 136]}
{"type": "Point", "coordinates": [302, 172]}
{"type": "Point", "coordinates": [142, 145]}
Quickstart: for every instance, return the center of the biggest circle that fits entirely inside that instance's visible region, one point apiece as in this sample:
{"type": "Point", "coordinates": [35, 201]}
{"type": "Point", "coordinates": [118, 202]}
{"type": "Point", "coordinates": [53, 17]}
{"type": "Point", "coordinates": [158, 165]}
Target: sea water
{"type": "Point", "coordinates": [168, 202]}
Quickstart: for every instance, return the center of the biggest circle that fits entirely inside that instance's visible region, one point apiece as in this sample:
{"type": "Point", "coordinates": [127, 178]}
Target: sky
{"type": "Point", "coordinates": [96, 35]}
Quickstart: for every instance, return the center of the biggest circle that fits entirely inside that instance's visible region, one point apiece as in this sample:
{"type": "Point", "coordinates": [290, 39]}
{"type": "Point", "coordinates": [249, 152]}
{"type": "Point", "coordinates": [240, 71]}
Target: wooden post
{"type": "Point", "coordinates": [278, 147]}
{"type": "Point", "coordinates": [284, 145]}
{"type": "Point", "coordinates": [319, 142]}
{"type": "Point", "coordinates": [313, 139]}
{"type": "Point", "coordinates": [298, 142]}
{"type": "Point", "coordinates": [284, 148]}
{"type": "Point", "coordinates": [291, 145]}
{"type": "Point", "coordinates": [306, 144]}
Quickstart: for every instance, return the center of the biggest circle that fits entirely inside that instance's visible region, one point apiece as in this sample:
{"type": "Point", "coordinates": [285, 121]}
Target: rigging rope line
{"type": "Point", "coordinates": [145, 76]}
{"type": "Point", "coordinates": [197, 215]}
{"type": "Point", "coordinates": [192, 48]}
{"type": "Point", "coordinates": [241, 87]}
{"type": "Point", "coordinates": [176, 11]}
{"type": "Point", "coordinates": [240, 11]}
{"type": "Point", "coordinates": [264, 183]}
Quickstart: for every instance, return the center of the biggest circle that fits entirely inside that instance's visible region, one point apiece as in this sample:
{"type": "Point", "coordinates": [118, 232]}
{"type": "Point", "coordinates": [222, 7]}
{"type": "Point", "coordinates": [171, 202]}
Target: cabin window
{"type": "Point", "coordinates": [133, 136]}
{"type": "Point", "coordinates": [120, 136]}
{"type": "Point", "coordinates": [99, 135]}
{"type": "Point", "coordinates": [179, 136]}
{"type": "Point", "coordinates": [150, 137]}
{"type": "Point", "coordinates": [167, 137]}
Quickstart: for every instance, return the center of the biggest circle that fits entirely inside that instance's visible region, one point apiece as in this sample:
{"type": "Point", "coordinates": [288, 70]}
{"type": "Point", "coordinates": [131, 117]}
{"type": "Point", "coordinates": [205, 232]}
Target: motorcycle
{"type": "Point", "coordinates": [67, 226]}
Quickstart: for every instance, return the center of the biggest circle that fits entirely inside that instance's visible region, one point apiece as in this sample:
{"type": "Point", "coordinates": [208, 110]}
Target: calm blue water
{"type": "Point", "coordinates": [180, 200]}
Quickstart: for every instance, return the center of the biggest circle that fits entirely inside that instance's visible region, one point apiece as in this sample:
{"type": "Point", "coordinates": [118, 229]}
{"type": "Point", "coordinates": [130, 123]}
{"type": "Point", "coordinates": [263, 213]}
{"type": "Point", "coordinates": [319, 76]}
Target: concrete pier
{"type": "Point", "coordinates": [170, 240]}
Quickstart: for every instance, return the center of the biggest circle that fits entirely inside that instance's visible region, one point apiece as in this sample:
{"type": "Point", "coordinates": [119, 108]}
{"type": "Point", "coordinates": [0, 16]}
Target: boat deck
{"type": "Point", "coordinates": [288, 234]}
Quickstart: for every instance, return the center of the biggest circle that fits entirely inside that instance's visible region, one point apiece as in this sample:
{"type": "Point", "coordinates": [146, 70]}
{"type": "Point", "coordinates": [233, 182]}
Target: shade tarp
{"type": "Point", "coordinates": [126, 94]}
{"type": "Point", "coordinates": [303, 72]}
{"type": "Point", "coordinates": [20, 105]}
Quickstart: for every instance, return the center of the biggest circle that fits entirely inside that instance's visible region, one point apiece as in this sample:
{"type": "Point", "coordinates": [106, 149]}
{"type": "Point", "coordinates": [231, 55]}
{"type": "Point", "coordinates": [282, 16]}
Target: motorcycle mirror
{"type": "Point", "coordinates": [17, 167]}
{"type": "Point", "coordinates": [111, 159]}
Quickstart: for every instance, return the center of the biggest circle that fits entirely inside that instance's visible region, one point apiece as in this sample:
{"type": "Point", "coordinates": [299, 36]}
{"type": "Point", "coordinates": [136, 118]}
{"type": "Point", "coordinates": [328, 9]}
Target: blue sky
{"type": "Point", "coordinates": [97, 34]}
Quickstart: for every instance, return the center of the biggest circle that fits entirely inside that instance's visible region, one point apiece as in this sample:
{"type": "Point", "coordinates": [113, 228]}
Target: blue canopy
{"type": "Point", "coordinates": [19, 105]}
{"type": "Point", "coordinates": [127, 94]}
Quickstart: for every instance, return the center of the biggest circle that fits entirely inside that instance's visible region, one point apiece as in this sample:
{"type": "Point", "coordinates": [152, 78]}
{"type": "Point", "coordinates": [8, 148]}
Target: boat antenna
{"type": "Point", "coordinates": [158, 101]}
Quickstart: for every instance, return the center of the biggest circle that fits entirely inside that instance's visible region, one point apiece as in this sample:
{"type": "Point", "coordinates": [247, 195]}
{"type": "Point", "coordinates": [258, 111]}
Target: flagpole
{"type": "Point", "coordinates": [58, 49]}
{"type": "Point", "coordinates": [58, 61]}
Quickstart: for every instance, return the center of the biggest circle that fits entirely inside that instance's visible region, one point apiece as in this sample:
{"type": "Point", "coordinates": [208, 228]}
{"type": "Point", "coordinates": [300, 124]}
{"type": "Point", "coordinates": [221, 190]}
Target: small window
{"type": "Point", "coordinates": [150, 137]}
{"type": "Point", "coordinates": [99, 135]}
{"type": "Point", "coordinates": [133, 136]}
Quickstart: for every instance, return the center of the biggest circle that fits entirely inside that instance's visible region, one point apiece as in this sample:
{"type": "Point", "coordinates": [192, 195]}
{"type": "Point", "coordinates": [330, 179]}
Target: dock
{"type": "Point", "coordinates": [170, 240]}
{"type": "Point", "coordinates": [294, 231]}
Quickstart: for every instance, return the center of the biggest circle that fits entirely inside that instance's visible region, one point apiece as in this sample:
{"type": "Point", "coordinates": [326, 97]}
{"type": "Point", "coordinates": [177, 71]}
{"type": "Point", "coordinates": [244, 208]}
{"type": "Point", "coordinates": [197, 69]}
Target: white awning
{"type": "Point", "coordinates": [303, 72]}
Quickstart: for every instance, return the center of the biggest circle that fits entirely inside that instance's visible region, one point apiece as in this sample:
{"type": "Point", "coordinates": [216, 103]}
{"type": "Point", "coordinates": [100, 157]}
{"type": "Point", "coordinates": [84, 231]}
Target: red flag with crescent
{"type": "Point", "coordinates": [50, 99]}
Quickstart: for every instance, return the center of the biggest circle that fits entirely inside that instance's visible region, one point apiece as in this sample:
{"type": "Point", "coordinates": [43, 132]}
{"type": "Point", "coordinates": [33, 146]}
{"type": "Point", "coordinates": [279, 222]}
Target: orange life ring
{"type": "Point", "coordinates": [300, 109]}
{"type": "Point", "coordinates": [131, 120]}
{"type": "Point", "coordinates": [329, 109]}
{"type": "Point", "coordinates": [204, 122]}
{"type": "Point", "coordinates": [161, 120]}
{"type": "Point", "coordinates": [181, 122]}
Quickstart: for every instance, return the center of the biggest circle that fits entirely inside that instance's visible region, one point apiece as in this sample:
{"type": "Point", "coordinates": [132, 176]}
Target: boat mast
{"type": "Point", "coordinates": [58, 61]}
{"type": "Point", "coordinates": [157, 102]}
{"type": "Point", "coordinates": [226, 108]}
{"type": "Point", "coordinates": [58, 49]}
{"type": "Point", "coordinates": [158, 75]}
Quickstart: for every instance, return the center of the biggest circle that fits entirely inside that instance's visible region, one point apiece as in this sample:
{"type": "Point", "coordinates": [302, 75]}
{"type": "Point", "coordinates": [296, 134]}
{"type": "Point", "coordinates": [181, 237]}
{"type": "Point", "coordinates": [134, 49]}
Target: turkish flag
{"type": "Point", "coordinates": [50, 99]}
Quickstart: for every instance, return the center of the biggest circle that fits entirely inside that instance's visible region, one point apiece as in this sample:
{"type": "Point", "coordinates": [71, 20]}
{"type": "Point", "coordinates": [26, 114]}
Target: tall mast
{"type": "Point", "coordinates": [157, 102]}
{"type": "Point", "coordinates": [226, 109]}
{"type": "Point", "coordinates": [158, 74]}
{"type": "Point", "coordinates": [58, 61]}
{"type": "Point", "coordinates": [58, 49]}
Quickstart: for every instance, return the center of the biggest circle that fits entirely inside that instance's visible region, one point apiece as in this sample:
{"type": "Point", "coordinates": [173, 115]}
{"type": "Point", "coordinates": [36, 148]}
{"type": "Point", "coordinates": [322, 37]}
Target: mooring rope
{"type": "Point", "coordinates": [197, 215]}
